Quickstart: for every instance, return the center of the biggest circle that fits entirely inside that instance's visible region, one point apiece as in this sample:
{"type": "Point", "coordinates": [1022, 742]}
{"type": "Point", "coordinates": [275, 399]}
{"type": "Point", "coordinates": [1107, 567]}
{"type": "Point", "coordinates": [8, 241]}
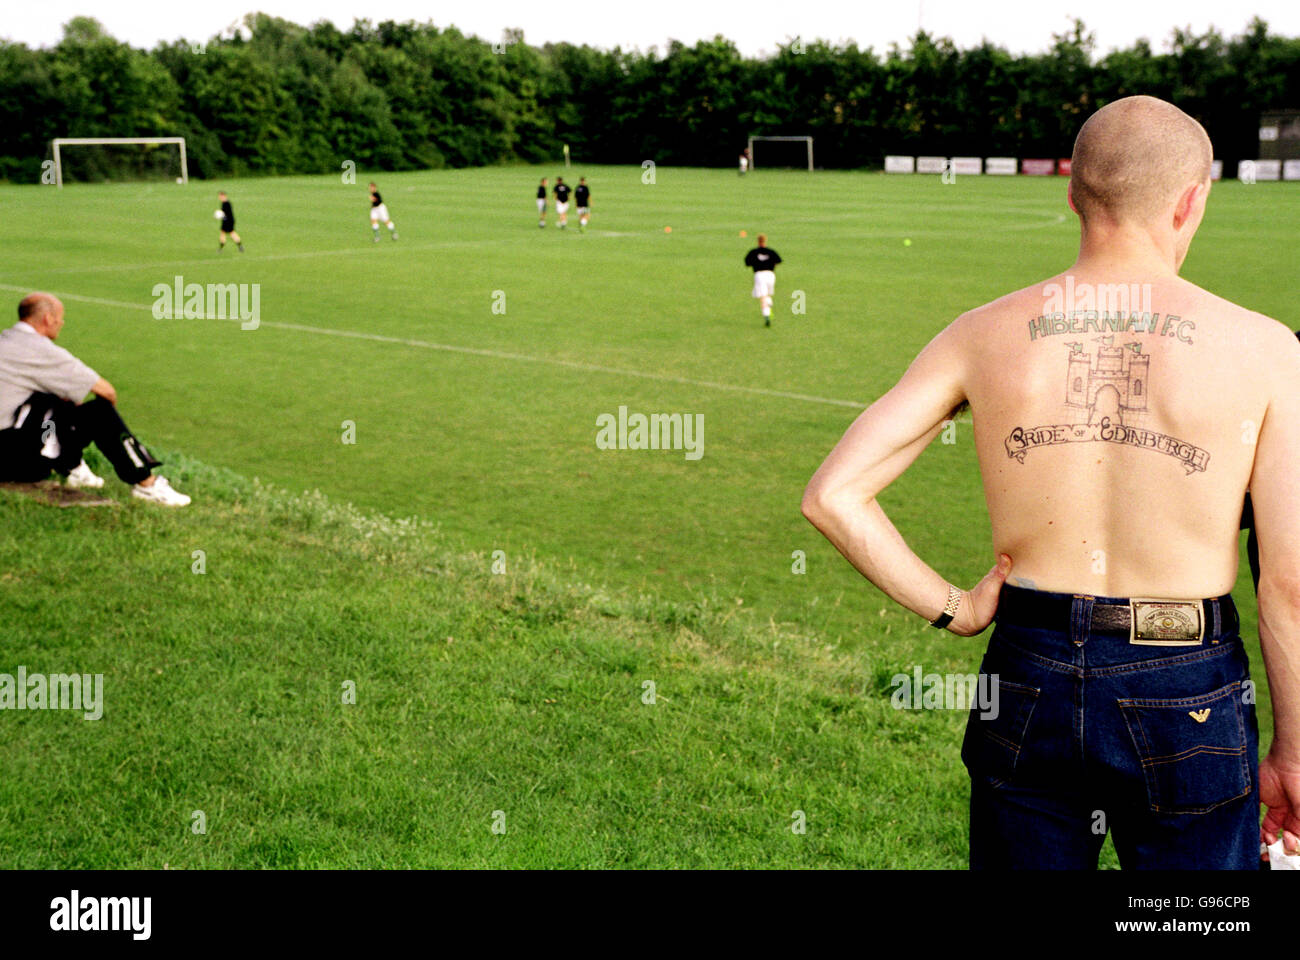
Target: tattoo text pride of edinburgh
{"type": "Point", "coordinates": [1106, 394]}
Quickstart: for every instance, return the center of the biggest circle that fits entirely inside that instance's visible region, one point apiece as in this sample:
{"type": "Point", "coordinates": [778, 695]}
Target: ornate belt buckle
{"type": "Point", "coordinates": [1166, 623]}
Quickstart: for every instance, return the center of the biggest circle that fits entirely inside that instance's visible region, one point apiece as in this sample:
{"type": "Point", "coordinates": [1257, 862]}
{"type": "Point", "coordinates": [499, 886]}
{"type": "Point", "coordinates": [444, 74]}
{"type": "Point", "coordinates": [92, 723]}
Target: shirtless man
{"type": "Point", "coordinates": [1120, 414]}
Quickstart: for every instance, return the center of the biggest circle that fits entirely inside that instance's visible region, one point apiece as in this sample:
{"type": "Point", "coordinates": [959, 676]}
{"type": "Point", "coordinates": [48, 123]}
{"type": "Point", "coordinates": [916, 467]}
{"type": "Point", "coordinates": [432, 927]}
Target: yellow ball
{"type": "Point", "coordinates": [907, 243]}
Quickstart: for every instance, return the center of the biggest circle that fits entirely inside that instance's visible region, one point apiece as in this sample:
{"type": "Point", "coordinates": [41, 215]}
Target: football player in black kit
{"type": "Point", "coordinates": [582, 196]}
{"type": "Point", "coordinates": [379, 214]}
{"type": "Point", "coordinates": [541, 204]}
{"type": "Point", "coordinates": [763, 260]}
{"type": "Point", "coordinates": [227, 224]}
{"type": "Point", "coordinates": [561, 192]}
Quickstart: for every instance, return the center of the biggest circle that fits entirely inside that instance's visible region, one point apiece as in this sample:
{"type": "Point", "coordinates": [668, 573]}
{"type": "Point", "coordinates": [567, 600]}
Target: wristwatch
{"type": "Point", "coordinates": [949, 608]}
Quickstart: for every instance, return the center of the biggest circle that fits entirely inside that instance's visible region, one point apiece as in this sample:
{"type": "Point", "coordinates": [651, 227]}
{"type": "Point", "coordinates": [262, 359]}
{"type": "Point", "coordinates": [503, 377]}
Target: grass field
{"type": "Point", "coordinates": [519, 692]}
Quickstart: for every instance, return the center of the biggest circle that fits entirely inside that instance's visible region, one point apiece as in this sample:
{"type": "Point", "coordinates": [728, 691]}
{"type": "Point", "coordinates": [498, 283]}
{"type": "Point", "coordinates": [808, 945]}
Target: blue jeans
{"type": "Point", "coordinates": [1157, 744]}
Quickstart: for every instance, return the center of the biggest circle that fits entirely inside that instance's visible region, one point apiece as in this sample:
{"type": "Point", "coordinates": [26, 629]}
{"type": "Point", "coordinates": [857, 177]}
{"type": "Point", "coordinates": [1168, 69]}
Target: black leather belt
{"type": "Point", "coordinates": [1146, 620]}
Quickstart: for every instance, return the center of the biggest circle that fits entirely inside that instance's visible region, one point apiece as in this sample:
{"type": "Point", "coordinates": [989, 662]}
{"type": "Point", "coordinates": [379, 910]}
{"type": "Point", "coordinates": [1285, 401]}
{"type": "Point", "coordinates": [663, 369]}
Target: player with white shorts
{"type": "Point", "coordinates": [763, 260]}
{"type": "Point", "coordinates": [379, 214]}
{"type": "Point", "coordinates": [561, 192]}
{"type": "Point", "coordinates": [541, 204]}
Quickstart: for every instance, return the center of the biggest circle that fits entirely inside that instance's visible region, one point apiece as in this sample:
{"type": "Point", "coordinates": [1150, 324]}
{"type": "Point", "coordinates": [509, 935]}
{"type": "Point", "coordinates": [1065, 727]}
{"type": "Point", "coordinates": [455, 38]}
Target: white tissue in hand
{"type": "Point", "coordinates": [1280, 860]}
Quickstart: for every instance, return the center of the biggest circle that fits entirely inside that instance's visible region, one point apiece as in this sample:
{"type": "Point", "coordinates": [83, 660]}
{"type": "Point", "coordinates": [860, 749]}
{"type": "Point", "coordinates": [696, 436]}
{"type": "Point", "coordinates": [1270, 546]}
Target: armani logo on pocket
{"type": "Point", "coordinates": [1199, 715]}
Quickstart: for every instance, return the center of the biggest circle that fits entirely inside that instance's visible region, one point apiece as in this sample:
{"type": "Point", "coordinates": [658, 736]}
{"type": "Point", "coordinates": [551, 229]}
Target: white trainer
{"type": "Point", "coordinates": [81, 477]}
{"type": "Point", "coordinates": [161, 492]}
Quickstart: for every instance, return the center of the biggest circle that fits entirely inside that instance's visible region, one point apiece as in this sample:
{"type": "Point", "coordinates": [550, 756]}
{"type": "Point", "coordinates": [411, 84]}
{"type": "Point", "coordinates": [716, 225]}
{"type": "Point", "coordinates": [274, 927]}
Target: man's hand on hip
{"type": "Point", "coordinates": [980, 603]}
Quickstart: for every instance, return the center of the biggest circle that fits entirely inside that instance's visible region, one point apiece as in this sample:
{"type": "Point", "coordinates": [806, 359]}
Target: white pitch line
{"type": "Point", "coordinates": [310, 254]}
{"type": "Point", "coordinates": [482, 352]}
{"type": "Point", "coordinates": [496, 241]}
{"type": "Point", "coordinates": [262, 258]}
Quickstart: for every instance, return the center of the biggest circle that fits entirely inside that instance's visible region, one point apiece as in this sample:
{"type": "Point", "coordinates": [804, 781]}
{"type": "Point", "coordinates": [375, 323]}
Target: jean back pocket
{"type": "Point", "coordinates": [994, 739]}
{"type": "Point", "coordinates": [1192, 749]}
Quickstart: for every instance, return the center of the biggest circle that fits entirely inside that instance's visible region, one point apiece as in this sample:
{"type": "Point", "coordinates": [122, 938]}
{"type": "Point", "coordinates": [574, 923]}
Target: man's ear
{"type": "Point", "coordinates": [1188, 202]}
{"type": "Point", "coordinates": [1069, 195]}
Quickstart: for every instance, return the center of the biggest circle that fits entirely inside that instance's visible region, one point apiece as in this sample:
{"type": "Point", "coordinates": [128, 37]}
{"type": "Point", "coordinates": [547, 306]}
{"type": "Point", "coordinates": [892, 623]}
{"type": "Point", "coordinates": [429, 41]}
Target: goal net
{"type": "Point", "coordinates": [791, 152]}
{"type": "Point", "coordinates": [100, 159]}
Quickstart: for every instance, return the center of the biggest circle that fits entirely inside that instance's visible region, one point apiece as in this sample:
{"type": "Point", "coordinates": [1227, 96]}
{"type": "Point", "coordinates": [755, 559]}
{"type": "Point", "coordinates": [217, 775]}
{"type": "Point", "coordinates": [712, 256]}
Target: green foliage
{"type": "Point", "coordinates": [277, 97]}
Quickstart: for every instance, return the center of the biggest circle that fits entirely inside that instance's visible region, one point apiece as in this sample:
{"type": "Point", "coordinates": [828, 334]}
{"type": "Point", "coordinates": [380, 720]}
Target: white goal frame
{"type": "Point", "coordinates": [60, 142]}
{"type": "Point", "coordinates": [753, 140]}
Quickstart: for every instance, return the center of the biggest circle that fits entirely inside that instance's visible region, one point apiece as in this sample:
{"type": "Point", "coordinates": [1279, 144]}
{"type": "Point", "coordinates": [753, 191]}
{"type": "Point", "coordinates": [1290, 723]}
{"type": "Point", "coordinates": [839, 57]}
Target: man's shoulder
{"type": "Point", "coordinates": [33, 352]}
{"type": "Point", "coordinates": [21, 336]}
{"type": "Point", "coordinates": [1264, 324]}
{"type": "Point", "coordinates": [1262, 335]}
{"type": "Point", "coordinates": [1030, 297]}
{"type": "Point", "coordinates": [1025, 302]}
{"type": "Point", "coordinates": [1278, 345]}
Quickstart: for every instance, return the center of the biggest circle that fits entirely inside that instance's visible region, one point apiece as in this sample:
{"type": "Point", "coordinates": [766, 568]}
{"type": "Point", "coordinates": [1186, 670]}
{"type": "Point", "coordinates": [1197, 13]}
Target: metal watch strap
{"type": "Point", "coordinates": [949, 609]}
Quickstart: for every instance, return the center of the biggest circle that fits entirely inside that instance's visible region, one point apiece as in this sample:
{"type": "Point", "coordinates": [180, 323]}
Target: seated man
{"type": "Point", "coordinates": [44, 423]}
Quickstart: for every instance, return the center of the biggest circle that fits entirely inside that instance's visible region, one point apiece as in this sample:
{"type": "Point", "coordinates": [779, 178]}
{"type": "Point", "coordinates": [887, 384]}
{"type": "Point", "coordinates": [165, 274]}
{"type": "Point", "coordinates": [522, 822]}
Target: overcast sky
{"type": "Point", "coordinates": [756, 26]}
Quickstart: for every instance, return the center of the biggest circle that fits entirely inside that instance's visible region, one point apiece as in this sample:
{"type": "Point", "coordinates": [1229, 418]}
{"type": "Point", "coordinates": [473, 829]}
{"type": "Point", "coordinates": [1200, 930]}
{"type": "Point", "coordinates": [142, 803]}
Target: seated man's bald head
{"type": "Point", "coordinates": [1134, 157]}
{"type": "Point", "coordinates": [36, 305]}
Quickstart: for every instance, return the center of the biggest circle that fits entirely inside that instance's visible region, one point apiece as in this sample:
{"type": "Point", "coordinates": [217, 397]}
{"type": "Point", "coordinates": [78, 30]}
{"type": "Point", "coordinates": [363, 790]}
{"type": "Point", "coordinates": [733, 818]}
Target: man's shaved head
{"type": "Point", "coordinates": [34, 306]}
{"type": "Point", "coordinates": [1134, 157]}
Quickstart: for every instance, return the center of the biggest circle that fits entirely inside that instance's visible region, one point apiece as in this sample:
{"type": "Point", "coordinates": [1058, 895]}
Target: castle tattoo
{"type": "Point", "coordinates": [1110, 392]}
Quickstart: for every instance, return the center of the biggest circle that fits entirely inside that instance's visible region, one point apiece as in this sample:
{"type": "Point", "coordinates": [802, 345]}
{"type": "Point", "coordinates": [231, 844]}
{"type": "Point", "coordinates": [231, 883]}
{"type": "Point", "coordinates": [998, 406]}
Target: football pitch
{"type": "Point", "coordinates": [560, 655]}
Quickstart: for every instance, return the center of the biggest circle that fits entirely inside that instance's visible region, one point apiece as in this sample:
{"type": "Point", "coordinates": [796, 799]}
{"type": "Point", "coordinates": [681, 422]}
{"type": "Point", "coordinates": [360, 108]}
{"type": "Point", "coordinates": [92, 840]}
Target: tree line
{"type": "Point", "coordinates": [275, 97]}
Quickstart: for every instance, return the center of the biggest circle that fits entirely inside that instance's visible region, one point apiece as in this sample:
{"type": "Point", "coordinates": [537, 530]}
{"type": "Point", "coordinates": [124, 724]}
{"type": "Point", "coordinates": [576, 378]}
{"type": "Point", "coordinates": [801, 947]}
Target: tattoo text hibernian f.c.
{"type": "Point", "coordinates": [1080, 322]}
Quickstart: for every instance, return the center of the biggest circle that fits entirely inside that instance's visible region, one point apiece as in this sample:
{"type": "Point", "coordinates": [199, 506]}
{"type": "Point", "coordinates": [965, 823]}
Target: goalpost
{"type": "Point", "coordinates": [60, 142]}
{"type": "Point", "coordinates": [807, 140]}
